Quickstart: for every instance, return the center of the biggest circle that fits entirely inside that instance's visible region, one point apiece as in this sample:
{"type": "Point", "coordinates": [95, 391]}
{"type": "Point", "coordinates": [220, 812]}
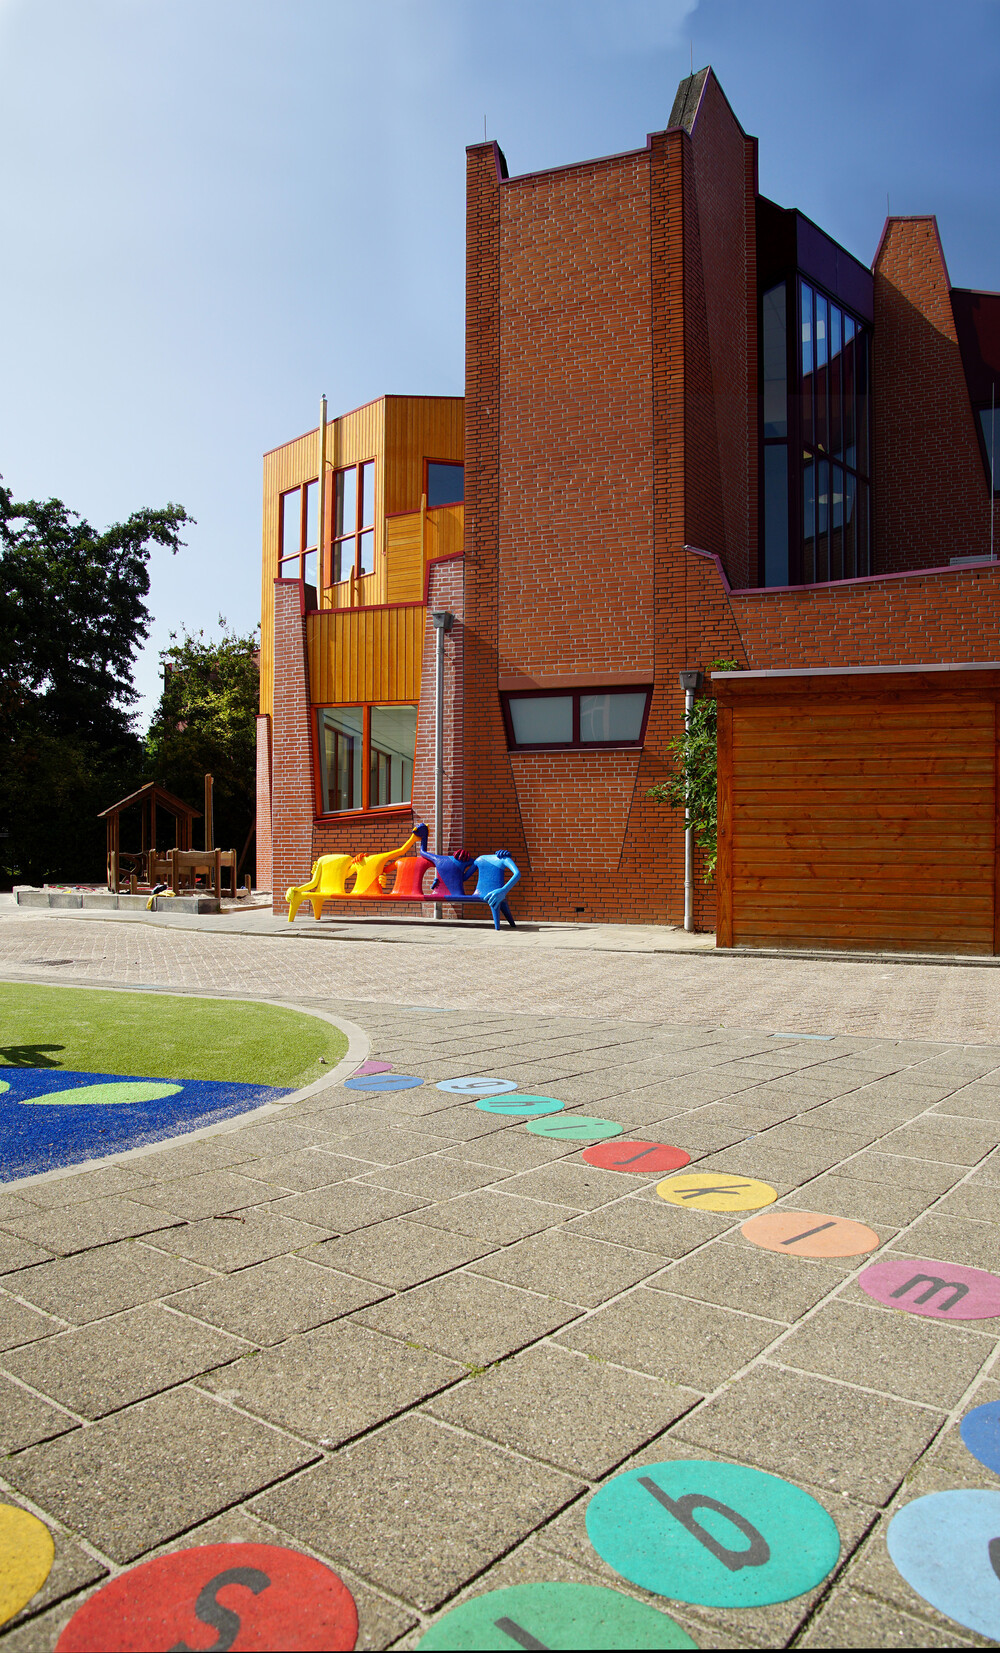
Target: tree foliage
{"type": "Point", "coordinates": [206, 723]}
{"type": "Point", "coordinates": [73, 616]}
{"type": "Point", "coordinates": [694, 784]}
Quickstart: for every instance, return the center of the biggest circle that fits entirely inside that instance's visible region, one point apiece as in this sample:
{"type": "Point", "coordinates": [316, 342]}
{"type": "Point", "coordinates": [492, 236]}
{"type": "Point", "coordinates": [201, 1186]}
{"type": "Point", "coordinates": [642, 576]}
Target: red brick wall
{"type": "Point", "coordinates": [292, 806]}
{"type": "Point", "coordinates": [263, 818]}
{"type": "Point", "coordinates": [931, 496]}
{"type": "Point", "coordinates": [445, 592]}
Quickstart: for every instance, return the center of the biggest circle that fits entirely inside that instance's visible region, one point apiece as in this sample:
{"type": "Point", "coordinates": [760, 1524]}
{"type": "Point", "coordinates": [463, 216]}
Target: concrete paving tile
{"type": "Point", "coordinates": [20, 1324]}
{"type": "Point", "coordinates": [979, 1201]}
{"type": "Point", "coordinates": [578, 1414]}
{"type": "Point", "coordinates": [808, 1429]}
{"type": "Point", "coordinates": [568, 1266]}
{"type": "Point", "coordinates": [193, 1159]}
{"type": "Point", "coordinates": [398, 1254]}
{"type": "Point", "coordinates": [306, 1169]}
{"type": "Point", "coordinates": [15, 1205]}
{"type": "Point", "coordinates": [794, 1138]}
{"type": "Point", "coordinates": [784, 1171]}
{"type": "Point", "coordinates": [17, 1254]}
{"type": "Point", "coordinates": [345, 1206]}
{"type": "Point", "coordinates": [872, 1575]}
{"type": "Point", "coordinates": [72, 1570]}
{"type": "Point", "coordinates": [676, 1338]}
{"type": "Point", "coordinates": [121, 1178]}
{"type": "Point", "coordinates": [973, 1102]}
{"type": "Point", "coordinates": [227, 1243]}
{"type": "Point", "coordinates": [382, 1144]}
{"type": "Point", "coordinates": [857, 1116]}
{"type": "Point", "coordinates": [434, 1178]}
{"type": "Point", "coordinates": [852, 1619]}
{"type": "Point", "coordinates": [650, 1225]}
{"type": "Point", "coordinates": [459, 1122]}
{"type": "Point", "coordinates": [416, 1508]}
{"type": "Point", "coordinates": [740, 1275]}
{"type": "Point", "coordinates": [92, 1284]}
{"type": "Point", "coordinates": [95, 1222]}
{"type": "Point", "coordinates": [573, 1183]}
{"type": "Point", "coordinates": [954, 1141]}
{"type": "Point", "coordinates": [467, 1317]}
{"type": "Point", "coordinates": [275, 1299]}
{"type": "Point", "coordinates": [511, 1151]}
{"type": "Point", "coordinates": [278, 1138]}
{"type": "Point", "coordinates": [896, 1171]}
{"type": "Point", "coordinates": [99, 1368]}
{"type": "Point", "coordinates": [953, 1240]}
{"type": "Point", "coordinates": [25, 1419]}
{"type": "Point", "coordinates": [204, 1195]}
{"type": "Point", "coordinates": [904, 1355]}
{"type": "Point", "coordinates": [865, 1201]}
{"type": "Point", "coordinates": [139, 1477]}
{"type": "Point", "coordinates": [495, 1216]}
{"type": "Point", "coordinates": [333, 1383]}
{"type": "Point", "coordinates": [988, 1171]}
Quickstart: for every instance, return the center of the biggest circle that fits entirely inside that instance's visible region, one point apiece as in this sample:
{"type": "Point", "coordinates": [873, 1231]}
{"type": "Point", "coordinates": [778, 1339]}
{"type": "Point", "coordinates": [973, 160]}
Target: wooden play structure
{"type": "Point", "coordinates": [180, 866]}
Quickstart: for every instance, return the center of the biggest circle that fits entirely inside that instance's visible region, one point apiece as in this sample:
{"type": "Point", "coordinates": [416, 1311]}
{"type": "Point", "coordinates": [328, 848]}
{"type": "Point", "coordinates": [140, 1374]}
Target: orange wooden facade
{"type": "Point", "coordinates": [858, 809]}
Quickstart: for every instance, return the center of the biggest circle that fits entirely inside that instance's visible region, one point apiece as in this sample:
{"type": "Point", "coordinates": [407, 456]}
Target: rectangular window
{"type": "Point", "coordinates": [775, 362]}
{"type": "Point", "coordinates": [776, 514]}
{"type": "Point", "coordinates": [445, 484]}
{"type": "Point", "coordinates": [365, 756]}
{"type": "Point", "coordinates": [989, 430]}
{"type": "Point", "coordinates": [298, 527]}
{"type": "Point", "coordinates": [353, 549]}
{"type": "Point", "coordinates": [577, 718]}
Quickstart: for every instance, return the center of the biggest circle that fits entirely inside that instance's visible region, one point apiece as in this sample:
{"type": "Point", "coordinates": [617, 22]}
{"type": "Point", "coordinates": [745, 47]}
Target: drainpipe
{"type": "Point", "coordinates": [690, 683]}
{"type": "Point", "coordinates": [442, 621]}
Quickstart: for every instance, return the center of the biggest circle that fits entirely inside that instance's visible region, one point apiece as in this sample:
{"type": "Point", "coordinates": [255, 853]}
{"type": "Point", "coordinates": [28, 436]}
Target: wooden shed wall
{"type": "Point", "coordinates": [859, 818]}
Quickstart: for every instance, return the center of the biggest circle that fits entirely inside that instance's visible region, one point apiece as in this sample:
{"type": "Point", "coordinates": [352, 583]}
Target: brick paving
{"type": "Point", "coordinates": [411, 1338]}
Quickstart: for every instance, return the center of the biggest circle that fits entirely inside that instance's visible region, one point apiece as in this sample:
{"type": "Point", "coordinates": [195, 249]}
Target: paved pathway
{"type": "Point", "coordinates": [410, 1337]}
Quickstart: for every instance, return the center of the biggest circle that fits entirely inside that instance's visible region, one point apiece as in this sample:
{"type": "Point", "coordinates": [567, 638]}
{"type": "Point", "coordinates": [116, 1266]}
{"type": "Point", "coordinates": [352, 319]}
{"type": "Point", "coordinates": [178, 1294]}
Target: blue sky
{"type": "Point", "coordinates": [218, 209]}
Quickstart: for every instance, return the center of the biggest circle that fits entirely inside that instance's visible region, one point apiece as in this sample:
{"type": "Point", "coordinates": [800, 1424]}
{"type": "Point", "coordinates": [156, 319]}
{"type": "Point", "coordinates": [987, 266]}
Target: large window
{"type": "Point", "coordinates": [298, 555]}
{"type": "Point", "coordinates": [576, 718]}
{"type": "Point", "coordinates": [816, 510]}
{"type": "Point", "coordinates": [365, 756]}
{"type": "Point", "coordinates": [353, 522]}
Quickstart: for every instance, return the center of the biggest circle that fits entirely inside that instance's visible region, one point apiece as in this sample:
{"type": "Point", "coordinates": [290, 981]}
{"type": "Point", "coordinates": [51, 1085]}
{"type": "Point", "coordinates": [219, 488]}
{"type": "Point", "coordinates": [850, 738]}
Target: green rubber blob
{"type": "Point", "coordinates": [119, 1091]}
{"type": "Point", "coordinates": [554, 1615]}
{"type": "Point", "coordinates": [575, 1128]}
{"type": "Point", "coordinates": [4, 1086]}
{"type": "Point", "coordinates": [720, 1535]}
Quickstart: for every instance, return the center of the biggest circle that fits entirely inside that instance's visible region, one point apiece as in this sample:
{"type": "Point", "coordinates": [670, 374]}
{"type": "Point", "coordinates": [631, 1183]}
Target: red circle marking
{"type": "Point", "coordinates": [652, 1157]}
{"type": "Point", "coordinates": [280, 1600]}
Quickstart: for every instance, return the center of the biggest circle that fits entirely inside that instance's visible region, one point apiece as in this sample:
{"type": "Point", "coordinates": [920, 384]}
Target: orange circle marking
{"type": "Point", "coordinates": [809, 1234]}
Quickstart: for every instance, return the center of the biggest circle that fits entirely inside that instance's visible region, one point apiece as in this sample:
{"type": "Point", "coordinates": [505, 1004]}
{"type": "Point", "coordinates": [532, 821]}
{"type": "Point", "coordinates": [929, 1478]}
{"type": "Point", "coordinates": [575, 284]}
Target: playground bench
{"type": "Point", "coordinates": [395, 875]}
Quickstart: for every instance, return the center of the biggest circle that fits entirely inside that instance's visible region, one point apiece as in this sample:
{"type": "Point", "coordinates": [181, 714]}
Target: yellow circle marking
{"type": "Point", "coordinates": [26, 1556]}
{"type": "Point", "coordinates": [716, 1191]}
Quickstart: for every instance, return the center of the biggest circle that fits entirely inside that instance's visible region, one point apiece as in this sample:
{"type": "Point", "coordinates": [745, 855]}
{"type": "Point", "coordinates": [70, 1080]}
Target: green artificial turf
{"type": "Point", "coordinates": [156, 1035]}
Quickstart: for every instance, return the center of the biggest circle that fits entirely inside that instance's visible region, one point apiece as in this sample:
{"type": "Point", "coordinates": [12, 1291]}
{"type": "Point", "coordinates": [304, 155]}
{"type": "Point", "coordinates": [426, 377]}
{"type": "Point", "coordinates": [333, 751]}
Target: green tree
{"type": "Point", "coordinates": [73, 616]}
{"type": "Point", "coordinates": [206, 723]}
{"type": "Point", "coordinates": [694, 784]}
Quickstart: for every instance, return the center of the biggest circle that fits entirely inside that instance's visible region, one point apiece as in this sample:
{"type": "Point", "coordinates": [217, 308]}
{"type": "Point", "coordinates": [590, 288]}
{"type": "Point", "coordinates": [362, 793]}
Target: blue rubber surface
{"type": "Point", "coordinates": [45, 1137]}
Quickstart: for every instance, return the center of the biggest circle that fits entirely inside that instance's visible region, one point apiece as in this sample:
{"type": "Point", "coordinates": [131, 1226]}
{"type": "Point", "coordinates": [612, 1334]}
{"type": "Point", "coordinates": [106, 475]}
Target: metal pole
{"type": "Point", "coordinates": [442, 622]}
{"type": "Point", "coordinates": [688, 832]}
{"type": "Point", "coordinates": [321, 501]}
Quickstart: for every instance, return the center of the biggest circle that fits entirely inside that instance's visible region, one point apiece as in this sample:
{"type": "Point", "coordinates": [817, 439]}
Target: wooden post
{"type": "Point", "coordinates": [133, 885]}
{"type": "Point", "coordinates": [209, 824]}
{"type": "Point", "coordinates": [175, 876]}
{"type": "Point", "coordinates": [218, 875]}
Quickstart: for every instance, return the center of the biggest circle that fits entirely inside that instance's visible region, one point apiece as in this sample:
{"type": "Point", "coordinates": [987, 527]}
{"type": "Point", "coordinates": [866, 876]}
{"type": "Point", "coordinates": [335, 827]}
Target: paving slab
{"type": "Point", "coordinates": [433, 1178]}
{"type": "Point", "coordinates": [956, 1141]}
{"type": "Point", "coordinates": [398, 1254]}
{"type": "Point", "coordinates": [650, 1225]}
{"type": "Point", "coordinates": [695, 1344]}
{"type": "Point", "coordinates": [25, 1418]}
{"type": "Point", "coordinates": [953, 1240]}
{"type": "Point", "coordinates": [204, 1195]}
{"type": "Point", "coordinates": [271, 1301]}
{"type": "Point", "coordinates": [92, 1284]}
{"type": "Point", "coordinates": [236, 1242]}
{"type": "Point", "coordinates": [95, 1222]}
{"type": "Point", "coordinates": [21, 1324]}
{"type": "Point", "coordinates": [853, 1619]}
{"type": "Point", "coordinates": [573, 1183]}
{"type": "Point", "coordinates": [883, 1206]}
{"type": "Point", "coordinates": [72, 1571]}
{"type": "Point", "coordinates": [569, 1266]}
{"type": "Point", "coordinates": [468, 1317]}
{"type": "Point", "coordinates": [301, 1171]}
{"type": "Point", "coordinates": [510, 1151]}
{"type": "Point", "coordinates": [418, 1509]}
{"type": "Point", "coordinates": [737, 1275]}
{"type": "Point", "coordinates": [496, 1216]}
{"type": "Point", "coordinates": [905, 1355]}
{"type": "Point", "coordinates": [971, 1102]}
{"type": "Point", "coordinates": [345, 1206]}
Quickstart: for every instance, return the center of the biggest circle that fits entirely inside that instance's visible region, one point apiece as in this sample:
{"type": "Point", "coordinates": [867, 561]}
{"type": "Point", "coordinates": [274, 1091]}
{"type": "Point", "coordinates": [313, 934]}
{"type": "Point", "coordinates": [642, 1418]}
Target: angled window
{"type": "Point", "coordinates": [575, 718]}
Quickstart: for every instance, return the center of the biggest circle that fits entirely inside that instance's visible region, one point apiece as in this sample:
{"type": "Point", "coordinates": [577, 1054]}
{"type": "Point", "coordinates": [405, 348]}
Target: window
{"type": "Point", "coordinates": [576, 718]}
{"type": "Point", "coordinates": [445, 484]}
{"type": "Point", "coordinates": [298, 554]}
{"type": "Point", "coordinates": [353, 522]}
{"type": "Point", "coordinates": [365, 756]}
{"type": "Point", "coordinates": [989, 431]}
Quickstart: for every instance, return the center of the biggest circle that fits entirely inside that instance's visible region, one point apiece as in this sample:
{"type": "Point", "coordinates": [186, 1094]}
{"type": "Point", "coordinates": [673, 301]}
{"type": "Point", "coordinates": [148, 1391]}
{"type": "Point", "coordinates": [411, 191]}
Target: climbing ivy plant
{"type": "Point", "coordinates": [694, 782]}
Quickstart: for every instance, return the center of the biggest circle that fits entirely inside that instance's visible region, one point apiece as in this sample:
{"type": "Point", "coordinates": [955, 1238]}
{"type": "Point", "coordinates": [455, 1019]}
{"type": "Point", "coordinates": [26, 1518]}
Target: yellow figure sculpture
{"type": "Point", "coordinates": [331, 872]}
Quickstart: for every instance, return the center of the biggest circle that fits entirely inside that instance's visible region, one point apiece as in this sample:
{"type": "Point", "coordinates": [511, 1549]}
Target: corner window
{"type": "Point", "coordinates": [989, 434]}
{"type": "Point", "coordinates": [584, 718]}
{"type": "Point", "coordinates": [365, 756]}
{"type": "Point", "coordinates": [298, 553]}
{"type": "Point", "coordinates": [353, 550]}
{"type": "Point", "coordinates": [445, 484]}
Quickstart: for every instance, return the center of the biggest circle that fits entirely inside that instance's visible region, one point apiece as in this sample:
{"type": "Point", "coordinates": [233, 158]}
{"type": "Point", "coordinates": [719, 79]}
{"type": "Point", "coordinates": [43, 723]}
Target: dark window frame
{"type": "Point", "coordinates": [457, 464]}
{"type": "Point", "coordinates": [366, 809]}
{"type": "Point", "coordinates": [576, 744]}
{"type": "Point", "coordinates": [336, 540]}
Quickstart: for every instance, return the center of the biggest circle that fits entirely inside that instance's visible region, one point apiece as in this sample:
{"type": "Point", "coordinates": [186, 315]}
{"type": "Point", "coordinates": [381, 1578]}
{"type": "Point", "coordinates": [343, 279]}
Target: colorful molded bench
{"type": "Point", "coordinates": [371, 874]}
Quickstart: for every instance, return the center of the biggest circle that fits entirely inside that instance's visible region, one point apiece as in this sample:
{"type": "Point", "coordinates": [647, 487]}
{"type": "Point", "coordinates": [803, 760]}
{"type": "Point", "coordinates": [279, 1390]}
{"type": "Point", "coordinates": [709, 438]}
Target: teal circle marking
{"type": "Point", "coordinates": [477, 1084]}
{"type": "Point", "coordinates": [554, 1615]}
{"type": "Point", "coordinates": [118, 1091]}
{"type": "Point", "coordinates": [518, 1104]}
{"type": "Point", "coordinates": [576, 1127]}
{"type": "Point", "coordinates": [719, 1535]}
{"type": "Point", "coordinates": [947, 1547]}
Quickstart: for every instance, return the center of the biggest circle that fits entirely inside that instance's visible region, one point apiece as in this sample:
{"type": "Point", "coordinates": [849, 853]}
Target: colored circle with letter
{"type": "Point", "coordinates": [554, 1615]}
{"type": "Point", "coordinates": [575, 1127]}
{"type": "Point", "coordinates": [248, 1595]}
{"type": "Point", "coordinates": [943, 1291]}
{"type": "Point", "coordinates": [383, 1082]}
{"type": "Point", "coordinates": [648, 1157]}
{"type": "Point", "coordinates": [947, 1547]}
{"type": "Point", "coordinates": [980, 1432]}
{"type": "Point", "coordinates": [518, 1104]}
{"type": "Point", "coordinates": [809, 1234]}
{"type": "Point", "coordinates": [26, 1556]}
{"type": "Point", "coordinates": [477, 1085]}
{"type": "Point", "coordinates": [720, 1535]}
{"type": "Point", "coordinates": [715, 1191]}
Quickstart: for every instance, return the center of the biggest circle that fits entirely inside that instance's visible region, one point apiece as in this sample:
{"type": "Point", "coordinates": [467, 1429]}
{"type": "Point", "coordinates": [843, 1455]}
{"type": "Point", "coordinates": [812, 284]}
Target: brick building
{"type": "Point", "coordinates": [694, 427]}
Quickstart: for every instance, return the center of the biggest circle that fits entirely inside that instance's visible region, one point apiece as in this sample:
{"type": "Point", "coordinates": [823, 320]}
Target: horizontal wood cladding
{"type": "Point", "coordinates": [364, 654]}
{"type": "Point", "coordinates": [860, 819]}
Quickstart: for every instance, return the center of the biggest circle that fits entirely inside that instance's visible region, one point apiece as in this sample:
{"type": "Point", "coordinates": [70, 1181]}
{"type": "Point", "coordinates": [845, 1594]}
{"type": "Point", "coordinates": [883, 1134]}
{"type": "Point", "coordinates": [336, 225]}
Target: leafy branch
{"type": "Point", "coordinates": [693, 786]}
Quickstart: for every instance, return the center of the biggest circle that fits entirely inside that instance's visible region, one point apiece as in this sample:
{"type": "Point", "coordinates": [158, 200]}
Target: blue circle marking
{"type": "Point", "coordinates": [980, 1432]}
{"type": "Point", "coordinates": [383, 1082]}
{"type": "Point", "coordinates": [518, 1104]}
{"type": "Point", "coordinates": [720, 1535]}
{"type": "Point", "coordinates": [477, 1084]}
{"type": "Point", "coordinates": [947, 1547]}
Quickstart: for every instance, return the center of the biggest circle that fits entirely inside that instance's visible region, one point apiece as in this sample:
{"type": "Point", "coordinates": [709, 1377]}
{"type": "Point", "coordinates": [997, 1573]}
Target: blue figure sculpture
{"type": "Point", "coordinates": [451, 870]}
{"type": "Point", "coordinates": [491, 886]}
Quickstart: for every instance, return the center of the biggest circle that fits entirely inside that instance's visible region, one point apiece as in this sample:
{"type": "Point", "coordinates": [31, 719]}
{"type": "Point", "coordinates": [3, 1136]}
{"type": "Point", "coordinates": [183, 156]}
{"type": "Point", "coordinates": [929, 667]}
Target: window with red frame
{"type": "Point", "coordinates": [365, 756]}
{"type": "Point", "coordinates": [570, 718]}
{"type": "Point", "coordinates": [298, 554]}
{"type": "Point", "coordinates": [353, 547]}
